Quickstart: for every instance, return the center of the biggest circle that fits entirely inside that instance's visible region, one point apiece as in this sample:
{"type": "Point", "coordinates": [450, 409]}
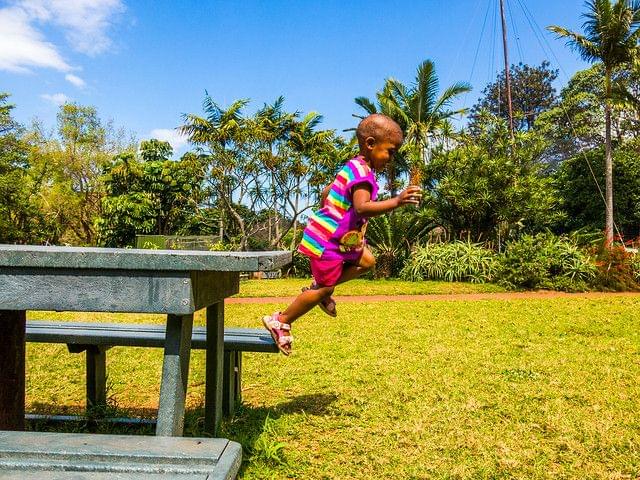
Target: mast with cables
{"type": "Point", "coordinates": [506, 68]}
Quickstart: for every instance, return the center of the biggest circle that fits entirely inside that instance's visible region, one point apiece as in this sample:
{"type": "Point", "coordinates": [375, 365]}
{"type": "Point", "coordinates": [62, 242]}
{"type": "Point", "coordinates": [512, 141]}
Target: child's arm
{"type": "Point", "coordinates": [365, 206]}
{"type": "Point", "coordinates": [325, 194]}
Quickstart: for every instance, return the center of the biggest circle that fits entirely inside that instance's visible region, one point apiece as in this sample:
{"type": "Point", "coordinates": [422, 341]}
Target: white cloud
{"type": "Point", "coordinates": [75, 80]}
{"type": "Point", "coordinates": [169, 135]}
{"type": "Point", "coordinates": [56, 98]}
{"type": "Point", "coordinates": [22, 47]}
{"type": "Point", "coordinates": [85, 22]}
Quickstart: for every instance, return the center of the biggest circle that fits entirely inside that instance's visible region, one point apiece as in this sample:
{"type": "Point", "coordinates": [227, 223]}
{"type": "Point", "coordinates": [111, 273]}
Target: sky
{"type": "Point", "coordinates": [145, 63]}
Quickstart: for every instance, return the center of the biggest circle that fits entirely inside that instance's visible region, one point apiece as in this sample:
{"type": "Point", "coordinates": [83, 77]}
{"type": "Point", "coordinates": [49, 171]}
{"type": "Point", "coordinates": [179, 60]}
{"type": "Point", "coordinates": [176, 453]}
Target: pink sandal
{"type": "Point", "coordinates": [277, 330]}
{"type": "Point", "coordinates": [328, 305]}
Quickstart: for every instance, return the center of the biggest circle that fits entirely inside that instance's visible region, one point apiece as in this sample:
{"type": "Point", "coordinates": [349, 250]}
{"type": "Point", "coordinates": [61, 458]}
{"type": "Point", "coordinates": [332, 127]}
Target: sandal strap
{"type": "Point", "coordinates": [285, 340]}
{"type": "Point", "coordinates": [275, 323]}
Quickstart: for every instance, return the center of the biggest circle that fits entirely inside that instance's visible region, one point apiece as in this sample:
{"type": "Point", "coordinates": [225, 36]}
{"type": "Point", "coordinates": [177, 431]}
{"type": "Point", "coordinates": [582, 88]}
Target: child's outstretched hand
{"type": "Point", "coordinates": [410, 196]}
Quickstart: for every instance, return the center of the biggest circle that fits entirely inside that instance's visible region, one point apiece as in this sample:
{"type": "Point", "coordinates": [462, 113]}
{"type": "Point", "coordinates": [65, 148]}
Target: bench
{"type": "Point", "coordinates": [74, 456]}
{"type": "Point", "coordinates": [96, 338]}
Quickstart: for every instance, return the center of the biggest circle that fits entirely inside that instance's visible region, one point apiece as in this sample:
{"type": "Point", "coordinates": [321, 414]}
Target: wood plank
{"type": "Point", "coordinates": [12, 369]}
{"type": "Point", "coordinates": [95, 291]}
{"type": "Point", "coordinates": [113, 290]}
{"type": "Point", "coordinates": [137, 259]}
{"type": "Point", "coordinates": [175, 376]}
{"type": "Point", "coordinates": [88, 456]}
{"type": "Point", "coordinates": [211, 287]}
{"type": "Point", "coordinates": [141, 335]}
{"type": "Point", "coordinates": [214, 368]}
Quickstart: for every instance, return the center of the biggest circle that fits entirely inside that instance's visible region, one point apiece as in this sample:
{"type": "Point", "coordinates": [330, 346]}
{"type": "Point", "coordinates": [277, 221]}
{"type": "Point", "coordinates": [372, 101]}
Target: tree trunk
{"type": "Point", "coordinates": [608, 164]}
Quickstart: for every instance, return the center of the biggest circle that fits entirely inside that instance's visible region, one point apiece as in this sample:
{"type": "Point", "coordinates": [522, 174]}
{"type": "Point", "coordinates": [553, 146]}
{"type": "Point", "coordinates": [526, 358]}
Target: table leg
{"type": "Point", "coordinates": [175, 374]}
{"type": "Point", "coordinates": [214, 368]}
{"type": "Point", "coordinates": [12, 369]}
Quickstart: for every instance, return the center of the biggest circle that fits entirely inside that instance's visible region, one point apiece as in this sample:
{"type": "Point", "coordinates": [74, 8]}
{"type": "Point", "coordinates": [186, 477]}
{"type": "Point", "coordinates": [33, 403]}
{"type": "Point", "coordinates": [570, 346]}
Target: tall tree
{"type": "Point", "coordinates": [21, 220]}
{"type": "Point", "coordinates": [532, 93]}
{"type": "Point", "coordinates": [224, 136]}
{"type": "Point", "coordinates": [418, 108]}
{"type": "Point", "coordinates": [611, 36]}
{"type": "Point", "coordinates": [150, 193]}
{"type": "Point", "coordinates": [68, 165]}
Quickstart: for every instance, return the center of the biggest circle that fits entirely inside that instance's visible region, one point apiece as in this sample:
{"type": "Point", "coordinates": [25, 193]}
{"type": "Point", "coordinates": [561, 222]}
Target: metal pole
{"type": "Point", "coordinates": [506, 67]}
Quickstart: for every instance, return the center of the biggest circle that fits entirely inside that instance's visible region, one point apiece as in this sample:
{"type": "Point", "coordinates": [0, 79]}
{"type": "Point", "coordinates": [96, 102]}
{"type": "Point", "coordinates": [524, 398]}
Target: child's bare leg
{"type": "Point", "coordinates": [312, 297]}
{"type": "Point", "coordinates": [305, 302]}
{"type": "Point", "coordinates": [367, 262]}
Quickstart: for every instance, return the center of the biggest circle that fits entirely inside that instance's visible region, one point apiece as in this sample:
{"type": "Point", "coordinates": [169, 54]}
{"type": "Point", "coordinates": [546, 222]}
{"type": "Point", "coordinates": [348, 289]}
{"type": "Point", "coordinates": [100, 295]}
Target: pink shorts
{"type": "Point", "coordinates": [327, 272]}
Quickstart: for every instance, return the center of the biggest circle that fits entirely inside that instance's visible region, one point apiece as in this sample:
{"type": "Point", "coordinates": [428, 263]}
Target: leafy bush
{"type": "Point", "coordinates": [220, 247]}
{"type": "Point", "coordinates": [391, 238]}
{"type": "Point", "coordinates": [617, 269]}
{"type": "Point", "coordinates": [635, 266]}
{"type": "Point", "coordinates": [545, 261]}
{"type": "Point", "coordinates": [457, 261]}
{"type": "Point", "coordinates": [299, 267]}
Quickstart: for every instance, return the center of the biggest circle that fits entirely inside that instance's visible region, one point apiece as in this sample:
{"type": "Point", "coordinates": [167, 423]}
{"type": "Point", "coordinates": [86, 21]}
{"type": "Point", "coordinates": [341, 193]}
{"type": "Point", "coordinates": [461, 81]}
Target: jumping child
{"type": "Point", "coordinates": [334, 237]}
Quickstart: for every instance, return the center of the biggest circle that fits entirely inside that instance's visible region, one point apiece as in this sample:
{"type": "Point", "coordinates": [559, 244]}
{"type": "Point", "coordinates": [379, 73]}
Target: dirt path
{"type": "Point", "coordinates": [447, 297]}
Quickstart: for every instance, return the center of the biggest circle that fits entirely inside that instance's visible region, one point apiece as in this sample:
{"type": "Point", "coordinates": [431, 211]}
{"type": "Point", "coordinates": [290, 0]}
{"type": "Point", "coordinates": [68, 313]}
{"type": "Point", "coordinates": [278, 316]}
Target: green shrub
{"type": "Point", "coordinates": [635, 266]}
{"type": "Point", "coordinates": [391, 238]}
{"type": "Point", "coordinates": [299, 267]}
{"type": "Point", "coordinates": [545, 261]}
{"type": "Point", "coordinates": [220, 247]}
{"type": "Point", "coordinates": [617, 269]}
{"type": "Point", "coordinates": [453, 262]}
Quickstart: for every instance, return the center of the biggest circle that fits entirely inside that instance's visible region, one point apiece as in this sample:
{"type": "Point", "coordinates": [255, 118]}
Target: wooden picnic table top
{"type": "Point", "coordinates": [34, 256]}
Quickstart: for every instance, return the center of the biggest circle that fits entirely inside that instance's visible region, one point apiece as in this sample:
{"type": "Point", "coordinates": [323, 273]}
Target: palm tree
{"type": "Point", "coordinates": [418, 110]}
{"type": "Point", "coordinates": [305, 141]}
{"type": "Point", "coordinates": [272, 127]}
{"type": "Point", "coordinates": [610, 36]}
{"type": "Point", "coordinates": [218, 130]}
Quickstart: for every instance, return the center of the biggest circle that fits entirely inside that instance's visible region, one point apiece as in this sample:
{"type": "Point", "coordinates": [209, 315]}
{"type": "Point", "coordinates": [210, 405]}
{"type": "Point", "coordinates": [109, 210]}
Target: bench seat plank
{"type": "Point", "coordinates": [97, 338]}
{"type": "Point", "coordinates": [141, 335]}
{"type": "Point", "coordinates": [119, 456]}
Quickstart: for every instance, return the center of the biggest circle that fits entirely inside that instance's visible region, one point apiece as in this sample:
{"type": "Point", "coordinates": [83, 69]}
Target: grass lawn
{"type": "Point", "coordinates": [290, 287]}
{"type": "Point", "coordinates": [544, 388]}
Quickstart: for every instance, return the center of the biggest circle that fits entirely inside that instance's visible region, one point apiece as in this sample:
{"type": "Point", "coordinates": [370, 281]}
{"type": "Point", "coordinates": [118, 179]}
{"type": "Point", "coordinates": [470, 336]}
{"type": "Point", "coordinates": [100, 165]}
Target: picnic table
{"type": "Point", "coordinates": [172, 282]}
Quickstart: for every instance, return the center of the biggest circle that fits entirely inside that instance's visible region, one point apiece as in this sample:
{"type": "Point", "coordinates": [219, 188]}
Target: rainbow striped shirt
{"type": "Point", "coordinates": [336, 231]}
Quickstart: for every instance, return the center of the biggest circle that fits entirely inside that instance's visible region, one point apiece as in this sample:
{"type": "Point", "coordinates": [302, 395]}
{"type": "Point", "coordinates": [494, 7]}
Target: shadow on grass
{"type": "Point", "coordinates": [255, 428]}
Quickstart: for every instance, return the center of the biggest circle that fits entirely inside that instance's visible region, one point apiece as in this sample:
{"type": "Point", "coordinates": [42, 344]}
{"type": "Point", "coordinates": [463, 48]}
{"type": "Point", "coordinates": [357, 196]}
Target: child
{"type": "Point", "coordinates": [334, 237]}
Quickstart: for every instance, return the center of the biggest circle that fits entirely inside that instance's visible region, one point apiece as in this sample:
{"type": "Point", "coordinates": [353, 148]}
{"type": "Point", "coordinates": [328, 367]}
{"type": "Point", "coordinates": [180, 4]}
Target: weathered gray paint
{"type": "Point", "coordinates": [82, 334]}
{"type": "Point", "coordinates": [140, 291]}
{"type": "Point", "coordinates": [211, 287]}
{"type": "Point", "coordinates": [89, 456]}
{"type": "Point", "coordinates": [96, 338]}
{"type": "Point", "coordinates": [96, 360]}
{"type": "Point", "coordinates": [175, 375]}
{"type": "Point", "coordinates": [214, 368]}
{"type": "Point", "coordinates": [120, 280]}
{"type": "Point", "coordinates": [134, 259]}
{"type": "Point", "coordinates": [229, 394]}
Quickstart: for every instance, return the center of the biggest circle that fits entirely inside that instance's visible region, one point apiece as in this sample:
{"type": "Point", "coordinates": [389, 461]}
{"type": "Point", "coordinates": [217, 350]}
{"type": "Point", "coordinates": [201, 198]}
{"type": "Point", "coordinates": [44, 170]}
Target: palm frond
{"type": "Point", "coordinates": [586, 48]}
{"type": "Point", "coordinates": [366, 104]}
{"type": "Point", "coordinates": [425, 90]}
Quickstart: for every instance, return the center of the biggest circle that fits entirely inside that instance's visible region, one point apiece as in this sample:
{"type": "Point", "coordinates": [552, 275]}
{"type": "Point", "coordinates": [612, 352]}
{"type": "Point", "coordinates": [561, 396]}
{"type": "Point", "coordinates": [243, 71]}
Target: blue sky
{"type": "Point", "coordinates": [144, 63]}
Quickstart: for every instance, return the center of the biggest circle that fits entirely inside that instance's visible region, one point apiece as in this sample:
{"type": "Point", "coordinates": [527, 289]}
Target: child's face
{"type": "Point", "coordinates": [381, 151]}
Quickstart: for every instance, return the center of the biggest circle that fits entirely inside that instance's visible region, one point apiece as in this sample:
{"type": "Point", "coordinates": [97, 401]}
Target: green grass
{"type": "Point", "coordinates": [409, 390]}
{"type": "Point", "coordinates": [289, 287]}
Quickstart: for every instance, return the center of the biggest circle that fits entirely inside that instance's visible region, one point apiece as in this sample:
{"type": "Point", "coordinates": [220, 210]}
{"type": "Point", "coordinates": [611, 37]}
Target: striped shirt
{"type": "Point", "coordinates": [336, 231]}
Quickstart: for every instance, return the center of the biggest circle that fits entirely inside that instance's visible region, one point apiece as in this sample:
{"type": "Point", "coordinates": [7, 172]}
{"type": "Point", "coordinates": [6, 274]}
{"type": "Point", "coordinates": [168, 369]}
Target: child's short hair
{"type": "Point", "coordinates": [377, 126]}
